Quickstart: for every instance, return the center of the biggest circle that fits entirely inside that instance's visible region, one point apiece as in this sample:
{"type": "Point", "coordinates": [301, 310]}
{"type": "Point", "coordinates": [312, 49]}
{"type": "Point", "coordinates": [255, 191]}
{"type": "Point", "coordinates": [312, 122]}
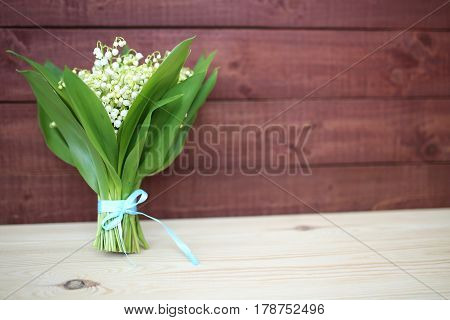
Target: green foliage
{"type": "Point", "coordinates": [83, 154]}
{"type": "Point", "coordinates": [77, 129]}
{"type": "Point", "coordinates": [53, 137]}
{"type": "Point", "coordinates": [164, 78]}
{"type": "Point", "coordinates": [177, 146]}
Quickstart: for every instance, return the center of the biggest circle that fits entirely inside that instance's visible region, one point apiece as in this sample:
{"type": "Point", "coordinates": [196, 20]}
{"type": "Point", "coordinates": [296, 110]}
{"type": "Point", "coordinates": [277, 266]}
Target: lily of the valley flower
{"type": "Point", "coordinates": [117, 77]}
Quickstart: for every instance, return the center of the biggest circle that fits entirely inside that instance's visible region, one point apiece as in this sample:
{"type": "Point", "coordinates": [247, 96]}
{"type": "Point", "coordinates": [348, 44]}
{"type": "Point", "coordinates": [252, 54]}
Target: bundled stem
{"type": "Point", "coordinates": [133, 237]}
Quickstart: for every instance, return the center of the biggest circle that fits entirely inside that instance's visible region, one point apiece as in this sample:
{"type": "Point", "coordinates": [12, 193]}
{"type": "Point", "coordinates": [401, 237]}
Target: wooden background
{"type": "Point", "coordinates": [380, 134]}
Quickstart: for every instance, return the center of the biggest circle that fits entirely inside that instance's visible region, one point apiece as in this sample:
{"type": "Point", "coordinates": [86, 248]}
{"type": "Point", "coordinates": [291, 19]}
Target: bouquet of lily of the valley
{"type": "Point", "coordinates": [126, 118]}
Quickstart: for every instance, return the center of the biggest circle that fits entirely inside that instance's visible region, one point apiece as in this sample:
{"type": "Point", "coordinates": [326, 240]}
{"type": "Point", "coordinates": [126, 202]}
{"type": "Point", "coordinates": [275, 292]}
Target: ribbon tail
{"type": "Point", "coordinates": [122, 243]}
{"type": "Point", "coordinates": [180, 244]}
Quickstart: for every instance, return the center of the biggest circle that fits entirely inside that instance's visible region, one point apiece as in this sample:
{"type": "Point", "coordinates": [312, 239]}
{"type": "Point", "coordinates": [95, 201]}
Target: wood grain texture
{"type": "Point", "coordinates": [18, 271]}
{"type": "Point", "coordinates": [276, 257]}
{"type": "Point", "coordinates": [226, 13]}
{"type": "Point", "coordinates": [228, 134]}
{"type": "Point", "coordinates": [65, 197]}
{"type": "Point", "coordinates": [262, 63]}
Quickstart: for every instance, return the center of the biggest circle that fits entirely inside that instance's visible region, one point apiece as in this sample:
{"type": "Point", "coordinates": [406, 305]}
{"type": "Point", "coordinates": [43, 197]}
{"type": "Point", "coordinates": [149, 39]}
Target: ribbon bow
{"type": "Point", "coordinates": [116, 209]}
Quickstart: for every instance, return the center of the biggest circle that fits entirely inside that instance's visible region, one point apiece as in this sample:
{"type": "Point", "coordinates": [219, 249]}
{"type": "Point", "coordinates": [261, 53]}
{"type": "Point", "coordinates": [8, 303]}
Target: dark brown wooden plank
{"type": "Point", "coordinates": [227, 135]}
{"type": "Point", "coordinates": [339, 132]}
{"type": "Point", "coordinates": [42, 198]}
{"type": "Point", "coordinates": [227, 13]}
{"type": "Point", "coordinates": [262, 63]}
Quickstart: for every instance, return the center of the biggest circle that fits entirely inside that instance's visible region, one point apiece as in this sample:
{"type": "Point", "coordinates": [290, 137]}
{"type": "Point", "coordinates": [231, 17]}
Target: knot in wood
{"type": "Point", "coordinates": [74, 284]}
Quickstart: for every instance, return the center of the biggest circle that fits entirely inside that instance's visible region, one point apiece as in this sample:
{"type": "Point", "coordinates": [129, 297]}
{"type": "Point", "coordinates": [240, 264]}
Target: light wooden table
{"type": "Point", "coordinates": [365, 255]}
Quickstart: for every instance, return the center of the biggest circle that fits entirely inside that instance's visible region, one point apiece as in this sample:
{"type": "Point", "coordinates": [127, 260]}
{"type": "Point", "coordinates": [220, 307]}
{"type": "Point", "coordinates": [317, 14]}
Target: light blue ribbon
{"type": "Point", "coordinates": [116, 209]}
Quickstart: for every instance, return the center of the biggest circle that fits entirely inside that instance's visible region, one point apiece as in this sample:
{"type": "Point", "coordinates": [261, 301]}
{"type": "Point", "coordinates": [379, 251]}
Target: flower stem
{"type": "Point", "coordinates": [109, 240]}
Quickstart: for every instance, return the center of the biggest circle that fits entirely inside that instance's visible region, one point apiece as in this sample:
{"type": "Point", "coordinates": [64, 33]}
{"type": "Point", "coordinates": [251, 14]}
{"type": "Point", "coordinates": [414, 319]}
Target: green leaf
{"type": "Point", "coordinates": [95, 121]}
{"type": "Point", "coordinates": [130, 172]}
{"type": "Point", "coordinates": [57, 72]}
{"type": "Point", "coordinates": [165, 77]}
{"type": "Point", "coordinates": [201, 97]}
{"type": "Point", "coordinates": [199, 101]}
{"type": "Point", "coordinates": [130, 169]}
{"type": "Point", "coordinates": [166, 123]}
{"type": "Point", "coordinates": [203, 63]}
{"type": "Point", "coordinates": [158, 104]}
{"type": "Point", "coordinates": [84, 155]}
{"type": "Point", "coordinates": [53, 138]}
{"type": "Point", "coordinates": [92, 116]}
{"type": "Point", "coordinates": [48, 73]}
